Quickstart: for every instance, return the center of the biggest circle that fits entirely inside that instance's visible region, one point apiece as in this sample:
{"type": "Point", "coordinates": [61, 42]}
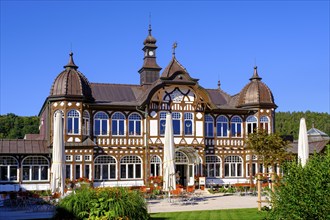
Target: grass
{"type": "Point", "coordinates": [227, 214]}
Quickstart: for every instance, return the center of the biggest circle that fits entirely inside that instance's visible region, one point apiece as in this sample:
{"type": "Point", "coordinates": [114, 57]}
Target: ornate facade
{"type": "Point", "coordinates": [114, 133]}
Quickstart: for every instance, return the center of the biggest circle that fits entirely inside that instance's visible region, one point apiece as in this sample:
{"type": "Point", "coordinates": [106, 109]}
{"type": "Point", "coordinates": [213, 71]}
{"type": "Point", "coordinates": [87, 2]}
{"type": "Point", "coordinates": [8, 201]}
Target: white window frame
{"type": "Point", "coordinates": [73, 114]}
{"type": "Point", "coordinates": [38, 162]}
{"type": "Point", "coordinates": [7, 163]}
{"type": "Point", "coordinates": [100, 162]}
{"type": "Point", "coordinates": [128, 162]}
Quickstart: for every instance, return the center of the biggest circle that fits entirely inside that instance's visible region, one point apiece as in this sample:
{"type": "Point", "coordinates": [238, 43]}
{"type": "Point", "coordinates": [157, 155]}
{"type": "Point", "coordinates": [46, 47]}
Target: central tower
{"type": "Point", "coordinates": [149, 72]}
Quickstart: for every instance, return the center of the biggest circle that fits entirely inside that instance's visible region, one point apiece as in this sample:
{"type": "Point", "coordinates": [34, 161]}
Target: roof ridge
{"type": "Point", "coordinates": [116, 84]}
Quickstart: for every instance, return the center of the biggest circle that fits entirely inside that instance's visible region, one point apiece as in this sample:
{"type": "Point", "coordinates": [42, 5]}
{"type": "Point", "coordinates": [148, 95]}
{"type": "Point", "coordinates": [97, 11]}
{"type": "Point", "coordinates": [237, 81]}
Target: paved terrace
{"type": "Point", "coordinates": [204, 201]}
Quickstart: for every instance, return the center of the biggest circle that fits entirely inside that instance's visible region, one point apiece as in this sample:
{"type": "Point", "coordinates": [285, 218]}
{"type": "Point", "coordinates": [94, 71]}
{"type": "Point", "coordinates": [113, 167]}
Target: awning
{"type": "Point", "coordinates": [191, 154]}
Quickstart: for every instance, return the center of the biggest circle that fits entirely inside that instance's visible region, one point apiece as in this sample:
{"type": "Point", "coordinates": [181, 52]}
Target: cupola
{"type": "Point", "coordinates": [256, 94]}
{"type": "Point", "coordinates": [149, 72]}
{"type": "Point", "coordinates": [71, 83]}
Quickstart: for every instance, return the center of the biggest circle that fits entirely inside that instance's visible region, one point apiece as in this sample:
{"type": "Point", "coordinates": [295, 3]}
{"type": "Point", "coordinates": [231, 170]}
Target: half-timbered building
{"type": "Point", "coordinates": [114, 133]}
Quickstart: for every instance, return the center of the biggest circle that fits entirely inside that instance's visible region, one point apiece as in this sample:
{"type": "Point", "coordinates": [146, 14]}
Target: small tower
{"type": "Point", "coordinates": [149, 72]}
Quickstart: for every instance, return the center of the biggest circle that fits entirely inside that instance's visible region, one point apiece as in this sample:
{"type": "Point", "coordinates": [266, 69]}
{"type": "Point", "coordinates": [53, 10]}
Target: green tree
{"type": "Point", "coordinates": [304, 192]}
{"type": "Point", "coordinates": [270, 148]}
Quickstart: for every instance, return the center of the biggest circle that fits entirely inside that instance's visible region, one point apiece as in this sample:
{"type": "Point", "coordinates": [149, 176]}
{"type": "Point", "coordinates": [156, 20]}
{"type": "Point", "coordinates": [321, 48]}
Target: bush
{"type": "Point", "coordinates": [103, 203]}
{"type": "Point", "coordinates": [304, 192]}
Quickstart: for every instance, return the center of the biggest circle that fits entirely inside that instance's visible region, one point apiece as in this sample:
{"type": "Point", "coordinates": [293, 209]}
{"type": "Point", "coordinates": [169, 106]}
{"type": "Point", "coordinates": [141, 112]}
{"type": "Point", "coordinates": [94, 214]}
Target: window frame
{"type": "Point", "coordinates": [130, 168]}
{"type": "Point", "coordinates": [32, 167]}
{"type": "Point", "coordinates": [101, 118]}
{"type": "Point", "coordinates": [73, 122]}
{"type": "Point", "coordinates": [118, 127]}
{"type": "Point", "coordinates": [7, 166]}
{"type": "Point", "coordinates": [135, 124]}
{"type": "Point", "coordinates": [222, 123]}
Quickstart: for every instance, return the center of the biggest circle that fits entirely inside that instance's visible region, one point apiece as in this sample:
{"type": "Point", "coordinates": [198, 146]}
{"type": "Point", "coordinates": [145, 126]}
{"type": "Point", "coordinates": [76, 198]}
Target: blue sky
{"type": "Point", "coordinates": [217, 40]}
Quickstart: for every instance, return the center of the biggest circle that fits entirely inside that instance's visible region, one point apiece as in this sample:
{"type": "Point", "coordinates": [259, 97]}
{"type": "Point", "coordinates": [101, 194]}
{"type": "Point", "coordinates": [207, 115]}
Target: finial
{"type": "Point", "coordinates": [175, 45]}
{"type": "Point", "coordinates": [219, 84]}
{"type": "Point", "coordinates": [71, 62]}
{"type": "Point", "coordinates": [255, 75]}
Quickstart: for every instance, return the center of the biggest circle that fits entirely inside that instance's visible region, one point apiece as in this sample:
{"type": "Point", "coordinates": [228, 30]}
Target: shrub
{"type": "Point", "coordinates": [103, 203]}
{"type": "Point", "coordinates": [304, 192]}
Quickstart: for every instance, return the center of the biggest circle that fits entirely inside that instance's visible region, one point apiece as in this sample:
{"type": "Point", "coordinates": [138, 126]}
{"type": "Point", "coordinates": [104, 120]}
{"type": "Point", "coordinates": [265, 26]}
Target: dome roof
{"type": "Point", "coordinates": [256, 94]}
{"type": "Point", "coordinates": [71, 83]}
{"type": "Point", "coordinates": [150, 39]}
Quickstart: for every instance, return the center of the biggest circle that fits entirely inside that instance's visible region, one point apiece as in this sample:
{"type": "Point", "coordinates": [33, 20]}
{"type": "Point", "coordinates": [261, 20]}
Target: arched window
{"type": "Point", "coordinates": [35, 168]}
{"type": "Point", "coordinates": [134, 124]}
{"type": "Point", "coordinates": [222, 126]}
{"type": "Point", "coordinates": [188, 123]}
{"type": "Point", "coordinates": [118, 124]}
{"type": "Point", "coordinates": [73, 122]}
{"type": "Point", "coordinates": [236, 126]}
{"type": "Point", "coordinates": [105, 167]}
{"type": "Point", "coordinates": [176, 117]}
{"type": "Point", "coordinates": [213, 166]}
{"type": "Point", "coordinates": [264, 124]}
{"type": "Point", "coordinates": [162, 123]}
{"type": "Point", "coordinates": [130, 167]}
{"type": "Point", "coordinates": [251, 124]}
{"type": "Point", "coordinates": [8, 169]}
{"type": "Point", "coordinates": [101, 121]}
{"type": "Point", "coordinates": [86, 123]}
{"type": "Point", "coordinates": [208, 126]}
{"type": "Point", "coordinates": [181, 158]}
{"type": "Point", "coordinates": [233, 166]}
{"type": "Point", "coordinates": [155, 166]}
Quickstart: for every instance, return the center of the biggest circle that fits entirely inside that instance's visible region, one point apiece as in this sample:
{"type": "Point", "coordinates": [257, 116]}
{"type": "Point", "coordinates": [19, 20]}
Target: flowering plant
{"type": "Point", "coordinates": [156, 179]}
{"type": "Point", "coordinates": [83, 180]}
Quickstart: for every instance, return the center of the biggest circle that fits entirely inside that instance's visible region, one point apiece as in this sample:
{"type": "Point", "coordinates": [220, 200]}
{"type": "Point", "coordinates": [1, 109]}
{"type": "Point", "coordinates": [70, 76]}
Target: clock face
{"type": "Point", "coordinates": [151, 53]}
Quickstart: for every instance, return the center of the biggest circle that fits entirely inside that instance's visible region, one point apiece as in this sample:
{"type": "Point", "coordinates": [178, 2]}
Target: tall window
{"type": "Point", "coordinates": [130, 167]}
{"type": "Point", "coordinates": [251, 124]}
{"type": "Point", "coordinates": [35, 168]}
{"type": "Point", "coordinates": [86, 123]}
{"type": "Point", "coordinates": [264, 123]}
{"type": "Point", "coordinates": [188, 123]}
{"type": "Point", "coordinates": [162, 123]}
{"type": "Point", "coordinates": [208, 124]}
{"type": "Point", "coordinates": [222, 126]}
{"type": "Point", "coordinates": [105, 168]}
{"type": "Point", "coordinates": [155, 166]}
{"type": "Point", "coordinates": [233, 166]}
{"type": "Point", "coordinates": [236, 126]}
{"type": "Point", "coordinates": [176, 117]}
{"type": "Point", "coordinates": [118, 124]}
{"type": "Point", "coordinates": [68, 171]}
{"type": "Point", "coordinates": [253, 167]}
{"type": "Point", "coordinates": [213, 166]}
{"type": "Point", "coordinates": [134, 124]}
{"type": "Point", "coordinates": [8, 169]}
{"type": "Point", "coordinates": [73, 122]}
{"type": "Point", "coordinates": [101, 121]}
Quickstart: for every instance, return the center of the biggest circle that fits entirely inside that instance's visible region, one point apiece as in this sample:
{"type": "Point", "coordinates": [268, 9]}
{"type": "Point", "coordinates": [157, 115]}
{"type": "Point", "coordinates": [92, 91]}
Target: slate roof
{"type": "Point", "coordinates": [21, 146]}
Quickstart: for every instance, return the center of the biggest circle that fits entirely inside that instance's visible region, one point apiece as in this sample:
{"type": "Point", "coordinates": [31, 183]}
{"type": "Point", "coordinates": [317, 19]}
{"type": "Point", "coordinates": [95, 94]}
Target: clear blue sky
{"type": "Point", "coordinates": [217, 40]}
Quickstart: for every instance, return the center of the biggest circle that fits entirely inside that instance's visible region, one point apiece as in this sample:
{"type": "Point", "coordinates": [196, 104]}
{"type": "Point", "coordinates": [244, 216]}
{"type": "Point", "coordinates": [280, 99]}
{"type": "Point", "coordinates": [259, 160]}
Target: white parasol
{"type": "Point", "coordinates": [303, 149]}
{"type": "Point", "coordinates": [58, 163]}
{"type": "Point", "coordinates": [169, 156]}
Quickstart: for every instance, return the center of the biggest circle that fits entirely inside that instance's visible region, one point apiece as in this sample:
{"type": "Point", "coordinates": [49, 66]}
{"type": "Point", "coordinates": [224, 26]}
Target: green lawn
{"type": "Point", "coordinates": [227, 214]}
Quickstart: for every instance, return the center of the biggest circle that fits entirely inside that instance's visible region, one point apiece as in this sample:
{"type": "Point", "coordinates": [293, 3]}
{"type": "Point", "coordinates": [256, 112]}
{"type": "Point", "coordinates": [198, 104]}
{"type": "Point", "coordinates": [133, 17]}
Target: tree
{"type": "Point", "coordinates": [304, 192]}
{"type": "Point", "coordinates": [270, 149]}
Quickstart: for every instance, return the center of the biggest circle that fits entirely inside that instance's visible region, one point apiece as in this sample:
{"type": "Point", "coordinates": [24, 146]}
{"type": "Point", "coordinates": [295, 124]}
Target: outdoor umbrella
{"type": "Point", "coordinates": [303, 149]}
{"type": "Point", "coordinates": [169, 155]}
{"type": "Point", "coordinates": [58, 163]}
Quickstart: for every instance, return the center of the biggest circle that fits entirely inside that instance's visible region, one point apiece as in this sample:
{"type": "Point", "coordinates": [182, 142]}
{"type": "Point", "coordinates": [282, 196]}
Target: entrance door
{"type": "Point", "coordinates": [181, 170]}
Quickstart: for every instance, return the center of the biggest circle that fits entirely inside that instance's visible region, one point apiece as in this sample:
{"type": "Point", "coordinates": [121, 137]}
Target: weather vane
{"type": "Point", "coordinates": [175, 45]}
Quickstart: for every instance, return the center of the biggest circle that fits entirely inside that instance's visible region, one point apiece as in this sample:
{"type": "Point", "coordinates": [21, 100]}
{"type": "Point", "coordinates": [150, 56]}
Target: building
{"type": "Point", "coordinates": [114, 133]}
